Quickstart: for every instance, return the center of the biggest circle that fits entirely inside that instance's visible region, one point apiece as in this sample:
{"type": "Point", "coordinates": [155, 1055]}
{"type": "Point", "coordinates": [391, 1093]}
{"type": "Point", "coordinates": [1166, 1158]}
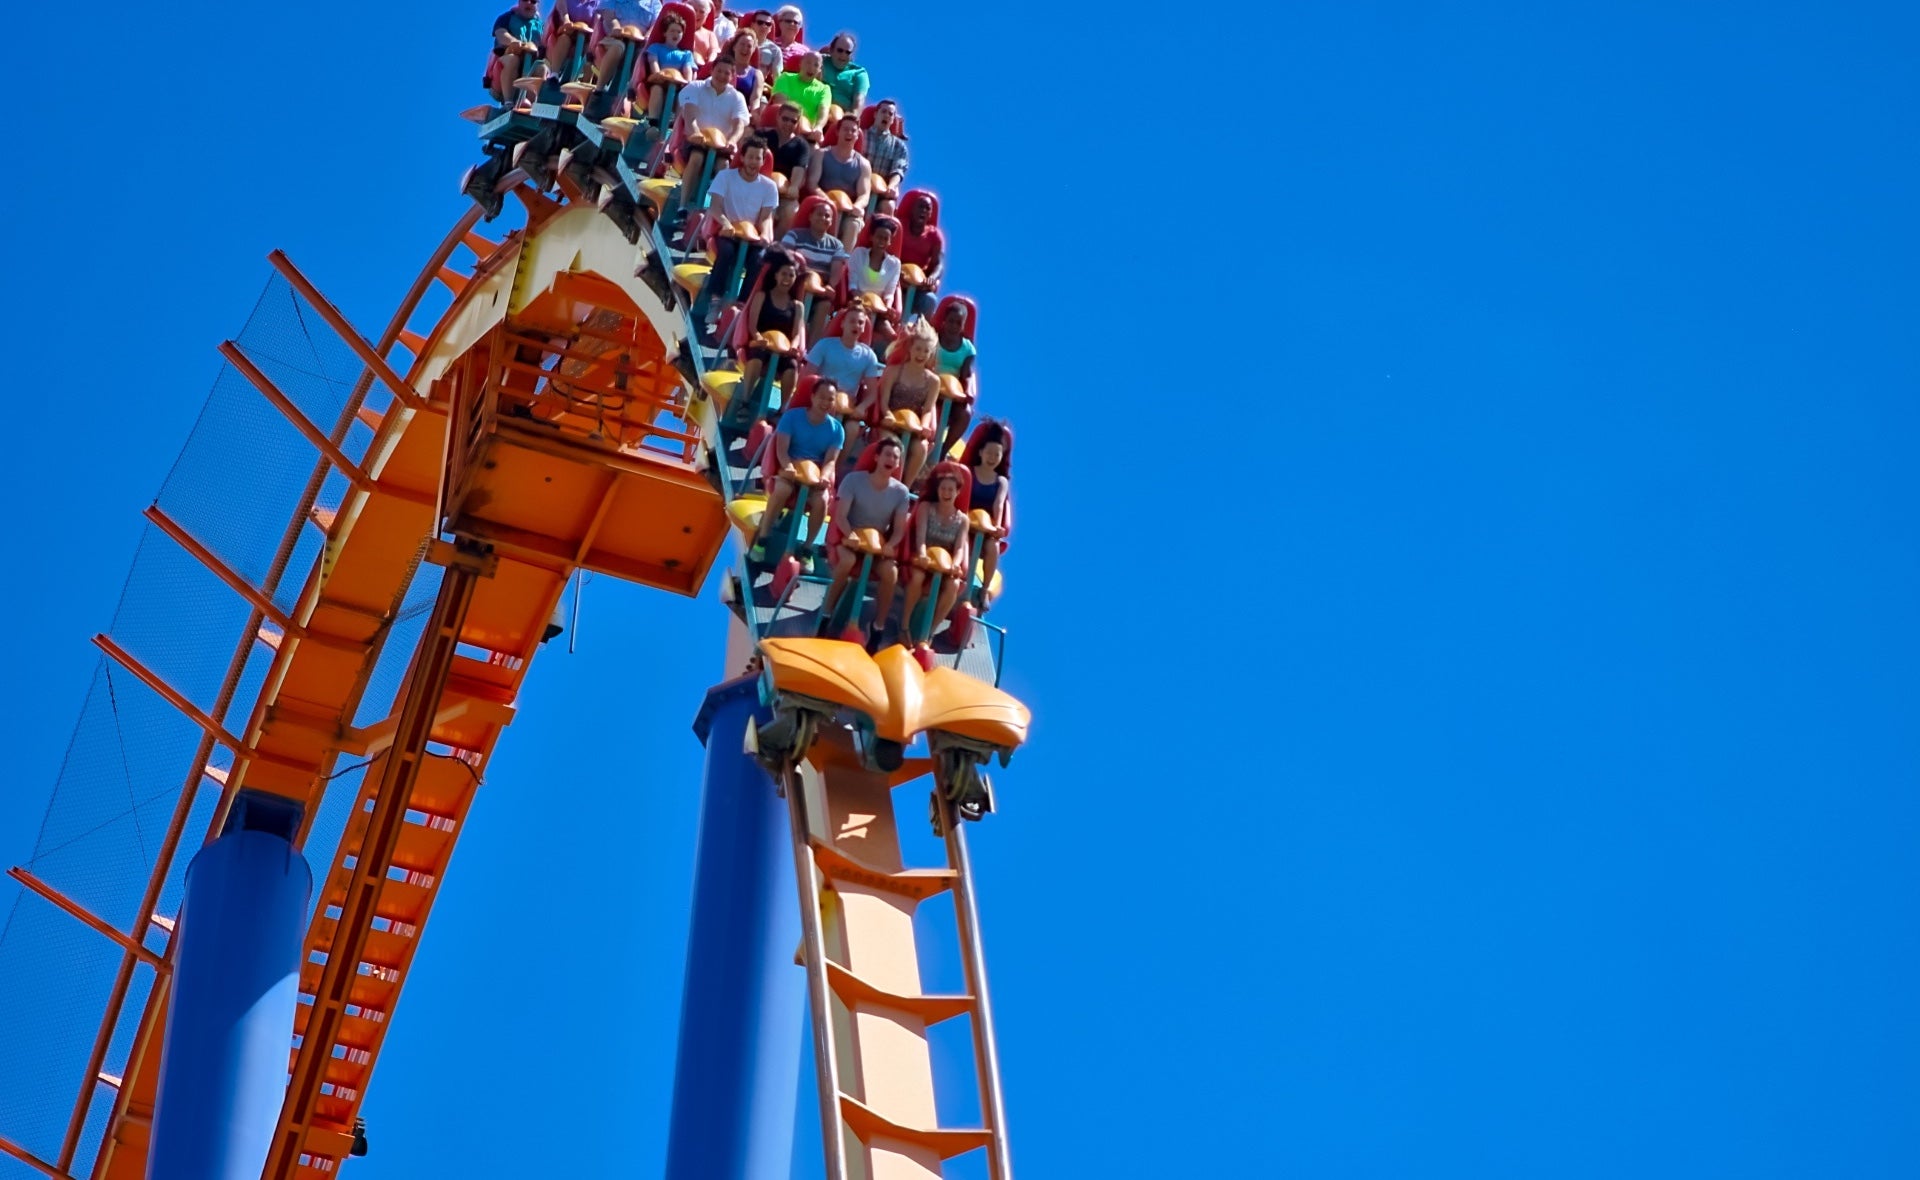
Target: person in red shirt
{"type": "Point", "coordinates": [922, 244]}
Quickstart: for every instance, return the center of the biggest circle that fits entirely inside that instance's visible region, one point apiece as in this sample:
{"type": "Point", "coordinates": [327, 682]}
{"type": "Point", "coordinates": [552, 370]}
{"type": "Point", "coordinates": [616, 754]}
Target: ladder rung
{"type": "Point", "coordinates": [870, 1125]}
{"type": "Point", "coordinates": [932, 1009]}
{"type": "Point", "coordinates": [918, 884]}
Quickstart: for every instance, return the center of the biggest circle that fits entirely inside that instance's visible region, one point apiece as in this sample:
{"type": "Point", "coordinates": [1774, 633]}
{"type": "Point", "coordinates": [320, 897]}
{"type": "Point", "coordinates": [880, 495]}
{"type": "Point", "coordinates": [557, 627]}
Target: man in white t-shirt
{"type": "Point", "coordinates": [714, 106]}
{"type": "Point", "coordinates": [741, 193]}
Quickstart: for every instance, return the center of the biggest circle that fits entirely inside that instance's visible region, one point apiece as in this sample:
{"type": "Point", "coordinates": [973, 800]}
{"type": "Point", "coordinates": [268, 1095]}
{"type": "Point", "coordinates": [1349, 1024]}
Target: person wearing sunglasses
{"type": "Point", "coordinates": [791, 154]}
{"type": "Point", "coordinates": [760, 24]}
{"type": "Point", "coordinates": [788, 27]}
{"type": "Point", "coordinates": [847, 81]}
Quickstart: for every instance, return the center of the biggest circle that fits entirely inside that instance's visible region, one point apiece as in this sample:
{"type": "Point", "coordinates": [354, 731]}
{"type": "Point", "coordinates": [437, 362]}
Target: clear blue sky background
{"type": "Point", "coordinates": [1466, 577]}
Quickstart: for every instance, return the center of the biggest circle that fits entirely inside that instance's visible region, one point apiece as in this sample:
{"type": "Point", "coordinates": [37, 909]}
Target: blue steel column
{"type": "Point", "coordinates": [236, 974]}
{"type": "Point", "coordinates": [741, 1019]}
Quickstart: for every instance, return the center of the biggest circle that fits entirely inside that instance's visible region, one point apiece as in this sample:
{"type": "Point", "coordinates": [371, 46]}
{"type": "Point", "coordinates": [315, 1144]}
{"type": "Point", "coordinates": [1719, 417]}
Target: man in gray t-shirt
{"type": "Point", "coordinates": [873, 499]}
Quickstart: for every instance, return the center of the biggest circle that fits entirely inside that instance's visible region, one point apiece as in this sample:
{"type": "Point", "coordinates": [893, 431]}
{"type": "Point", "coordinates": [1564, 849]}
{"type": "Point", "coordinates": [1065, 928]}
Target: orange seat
{"type": "Point", "coordinates": [865, 541]}
{"type": "Point", "coordinates": [950, 387]}
{"type": "Point", "coordinates": [981, 521]}
{"type": "Point", "coordinates": [741, 229]}
{"type": "Point", "coordinates": [841, 201]}
{"type": "Point", "coordinates": [912, 275]}
{"type": "Point", "coordinates": [936, 561]}
{"type": "Point", "coordinates": [773, 340]}
{"type": "Point", "coordinates": [905, 420]}
{"type": "Point", "coordinates": [805, 471]}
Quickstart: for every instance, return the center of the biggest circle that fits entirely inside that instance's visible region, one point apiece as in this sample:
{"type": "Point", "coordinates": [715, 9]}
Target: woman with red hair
{"type": "Point", "coordinates": [938, 522]}
{"type": "Point", "coordinates": [989, 462]}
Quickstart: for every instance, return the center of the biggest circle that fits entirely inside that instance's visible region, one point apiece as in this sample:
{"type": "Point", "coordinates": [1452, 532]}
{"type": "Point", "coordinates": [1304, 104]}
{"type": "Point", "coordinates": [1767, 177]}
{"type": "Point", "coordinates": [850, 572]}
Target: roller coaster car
{"type": "Point", "coordinates": [890, 700]}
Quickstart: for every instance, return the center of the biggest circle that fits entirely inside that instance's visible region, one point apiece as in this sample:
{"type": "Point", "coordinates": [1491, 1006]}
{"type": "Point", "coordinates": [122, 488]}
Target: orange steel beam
{"type": "Point", "coordinates": [397, 775]}
{"type": "Point", "coordinates": [245, 589]}
{"type": "Point", "coordinates": [339, 323]}
{"type": "Point", "coordinates": [172, 695]}
{"type": "Point", "coordinates": [462, 232]}
{"type": "Point", "coordinates": [33, 1161]}
{"type": "Point", "coordinates": [291, 412]}
{"type": "Point", "coordinates": [90, 920]}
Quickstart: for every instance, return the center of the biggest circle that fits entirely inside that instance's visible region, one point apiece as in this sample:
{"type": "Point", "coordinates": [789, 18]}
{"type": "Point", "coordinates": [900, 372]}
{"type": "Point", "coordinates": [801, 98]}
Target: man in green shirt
{"type": "Point", "coordinates": [847, 80]}
{"type": "Point", "coordinates": [807, 91]}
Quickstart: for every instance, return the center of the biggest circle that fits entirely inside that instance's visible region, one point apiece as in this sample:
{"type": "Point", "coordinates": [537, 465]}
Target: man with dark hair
{"type": "Point", "coordinates": [791, 152]}
{"type": "Point", "coordinates": [741, 193]}
{"type": "Point", "coordinates": [847, 81]}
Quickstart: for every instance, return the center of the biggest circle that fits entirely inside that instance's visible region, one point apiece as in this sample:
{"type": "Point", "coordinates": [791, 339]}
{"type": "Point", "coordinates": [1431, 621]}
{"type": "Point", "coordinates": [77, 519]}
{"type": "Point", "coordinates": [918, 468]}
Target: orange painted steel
{"type": "Point", "coordinates": [81, 914]}
{"type": "Point", "coordinates": [123, 1151]}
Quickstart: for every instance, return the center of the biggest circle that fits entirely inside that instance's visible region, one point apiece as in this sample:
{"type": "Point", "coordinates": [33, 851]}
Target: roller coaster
{"type": "Point", "coordinates": [303, 686]}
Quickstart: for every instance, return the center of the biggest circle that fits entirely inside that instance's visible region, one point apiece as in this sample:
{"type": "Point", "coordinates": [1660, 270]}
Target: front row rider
{"type": "Point", "coordinates": [870, 497]}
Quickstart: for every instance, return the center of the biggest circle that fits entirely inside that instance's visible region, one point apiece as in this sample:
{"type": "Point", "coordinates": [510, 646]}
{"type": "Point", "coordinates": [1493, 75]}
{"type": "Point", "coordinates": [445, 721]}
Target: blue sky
{"type": "Point", "coordinates": [1465, 580]}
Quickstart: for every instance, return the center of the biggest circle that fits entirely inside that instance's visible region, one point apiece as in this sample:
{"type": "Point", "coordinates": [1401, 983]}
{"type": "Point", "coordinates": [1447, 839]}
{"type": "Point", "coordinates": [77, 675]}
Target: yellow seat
{"type": "Point", "coordinates": [745, 511]}
{"type": "Point", "coordinates": [894, 692]}
{"type": "Point", "coordinates": [720, 384]}
{"type": "Point", "coordinates": [981, 521]}
{"type": "Point", "coordinates": [657, 190]}
{"type": "Point", "coordinates": [950, 387]}
{"type": "Point", "coordinates": [691, 275]}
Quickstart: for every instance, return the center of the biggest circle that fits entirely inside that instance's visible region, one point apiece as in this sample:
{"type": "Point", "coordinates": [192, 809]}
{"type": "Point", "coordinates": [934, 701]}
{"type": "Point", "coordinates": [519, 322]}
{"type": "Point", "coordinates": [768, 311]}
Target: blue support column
{"type": "Point", "coordinates": [236, 975]}
{"type": "Point", "coordinates": [741, 1019]}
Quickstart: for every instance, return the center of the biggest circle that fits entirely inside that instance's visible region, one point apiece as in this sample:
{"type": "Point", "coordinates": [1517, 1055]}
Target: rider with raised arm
{"type": "Point", "coordinates": [847, 80]}
{"type": "Point", "coordinates": [812, 433]}
{"type": "Point", "coordinates": [870, 498]}
{"type": "Point", "coordinates": [517, 46]}
{"type": "Point", "coordinates": [839, 168]}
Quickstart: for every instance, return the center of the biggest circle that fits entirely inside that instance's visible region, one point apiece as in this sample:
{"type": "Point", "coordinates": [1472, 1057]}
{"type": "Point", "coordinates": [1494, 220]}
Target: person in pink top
{"type": "Point", "coordinates": [789, 26]}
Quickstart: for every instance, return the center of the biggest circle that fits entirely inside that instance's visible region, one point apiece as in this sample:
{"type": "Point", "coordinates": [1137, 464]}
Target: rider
{"type": "Point", "coordinates": [789, 25]}
{"type": "Point", "coordinates": [814, 433]}
{"type": "Point", "coordinates": [517, 34]}
{"type": "Point", "coordinates": [773, 307]}
{"type": "Point", "coordinates": [922, 244]}
{"type": "Point", "coordinates": [844, 357]}
{"type": "Point", "coordinates": [886, 146]}
{"type": "Point", "coordinates": [801, 83]}
{"type": "Point", "coordinates": [741, 193]}
{"type": "Point", "coordinates": [939, 522]}
{"type": "Point", "coordinates": [847, 80]}
{"type": "Point", "coordinates": [910, 382]}
{"type": "Point", "coordinates": [791, 154]}
{"type": "Point", "coordinates": [812, 239]}
{"type": "Point", "coordinates": [954, 320]}
{"type": "Point", "coordinates": [668, 53]}
{"type": "Point", "coordinates": [840, 168]}
{"type": "Point", "coordinates": [989, 460]}
{"type": "Point", "coordinates": [716, 105]}
{"type": "Point", "coordinates": [870, 497]}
